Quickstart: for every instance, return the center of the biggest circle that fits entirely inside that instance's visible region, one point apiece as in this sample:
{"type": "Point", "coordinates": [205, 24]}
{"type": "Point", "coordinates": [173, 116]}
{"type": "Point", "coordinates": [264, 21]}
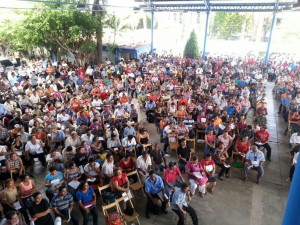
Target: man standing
{"type": "Point", "coordinates": [261, 140]}
{"type": "Point", "coordinates": [62, 204]}
{"type": "Point", "coordinates": [254, 159]}
{"type": "Point", "coordinates": [180, 206]}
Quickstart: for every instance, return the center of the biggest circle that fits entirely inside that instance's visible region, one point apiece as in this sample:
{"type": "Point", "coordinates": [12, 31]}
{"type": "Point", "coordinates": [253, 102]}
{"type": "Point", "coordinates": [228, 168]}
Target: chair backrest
{"type": "Point", "coordinates": [103, 188]}
{"type": "Point", "coordinates": [105, 208]}
{"type": "Point", "coordinates": [132, 173]}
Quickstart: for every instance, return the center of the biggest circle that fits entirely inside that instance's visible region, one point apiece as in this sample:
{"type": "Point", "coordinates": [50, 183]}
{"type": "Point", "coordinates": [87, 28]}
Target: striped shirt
{"type": "Point", "coordinates": [62, 203]}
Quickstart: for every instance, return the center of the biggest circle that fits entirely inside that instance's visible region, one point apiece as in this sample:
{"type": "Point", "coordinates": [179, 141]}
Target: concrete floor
{"type": "Point", "coordinates": [234, 201]}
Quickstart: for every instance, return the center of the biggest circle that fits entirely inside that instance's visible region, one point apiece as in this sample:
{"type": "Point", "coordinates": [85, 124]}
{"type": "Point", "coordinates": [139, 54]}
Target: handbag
{"type": "Point", "coordinates": [114, 218]}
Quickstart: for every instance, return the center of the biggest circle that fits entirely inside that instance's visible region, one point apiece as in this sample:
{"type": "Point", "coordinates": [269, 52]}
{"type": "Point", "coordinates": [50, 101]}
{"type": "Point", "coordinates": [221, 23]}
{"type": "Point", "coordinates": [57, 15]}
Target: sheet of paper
{"type": "Point", "coordinates": [198, 174]}
{"type": "Point", "coordinates": [74, 184]}
{"type": "Point", "coordinates": [203, 120]}
{"type": "Point", "coordinates": [39, 151]}
{"type": "Point", "coordinates": [222, 127]}
{"type": "Point", "coordinates": [17, 205]}
{"type": "Point", "coordinates": [255, 163]}
{"type": "Point", "coordinates": [91, 179]}
{"type": "Point", "coordinates": [258, 143]}
{"type": "Point", "coordinates": [81, 169]}
{"type": "Point", "coordinates": [101, 138]}
{"type": "Point", "coordinates": [55, 182]}
{"type": "Point", "coordinates": [69, 215]}
{"type": "Point", "coordinates": [19, 153]}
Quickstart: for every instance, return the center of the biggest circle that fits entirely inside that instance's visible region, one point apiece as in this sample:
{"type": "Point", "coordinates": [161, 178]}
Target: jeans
{"type": "Point", "coordinates": [166, 144]}
{"type": "Point", "coordinates": [259, 169]}
{"type": "Point", "coordinates": [190, 211]}
{"type": "Point", "coordinates": [85, 216]}
{"type": "Point", "coordinates": [292, 170]}
{"type": "Point", "coordinates": [169, 190]}
{"type": "Point", "coordinates": [74, 218]}
{"type": "Point", "coordinates": [268, 148]}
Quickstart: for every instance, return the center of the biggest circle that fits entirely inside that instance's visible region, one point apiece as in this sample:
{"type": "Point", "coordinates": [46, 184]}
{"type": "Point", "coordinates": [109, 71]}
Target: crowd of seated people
{"type": "Point", "coordinates": [83, 125]}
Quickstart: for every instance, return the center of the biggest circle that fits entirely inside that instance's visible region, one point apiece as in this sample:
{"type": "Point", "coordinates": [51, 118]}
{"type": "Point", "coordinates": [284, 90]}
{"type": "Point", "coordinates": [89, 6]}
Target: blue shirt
{"type": "Point", "coordinates": [3, 110]}
{"type": "Point", "coordinates": [150, 105]}
{"type": "Point", "coordinates": [82, 120]}
{"type": "Point", "coordinates": [50, 178]}
{"type": "Point", "coordinates": [179, 198]}
{"type": "Point", "coordinates": [257, 156]}
{"type": "Point", "coordinates": [231, 110]}
{"type": "Point", "coordinates": [154, 188]}
{"type": "Point", "coordinates": [85, 197]}
{"type": "Point", "coordinates": [59, 136]}
{"type": "Point", "coordinates": [62, 203]}
{"type": "Point", "coordinates": [286, 101]}
{"type": "Point", "coordinates": [129, 131]}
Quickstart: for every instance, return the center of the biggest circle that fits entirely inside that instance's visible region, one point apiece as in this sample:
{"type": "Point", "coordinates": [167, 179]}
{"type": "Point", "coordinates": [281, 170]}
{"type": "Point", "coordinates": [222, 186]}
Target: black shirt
{"type": "Point", "coordinates": [38, 208]}
{"type": "Point", "coordinates": [184, 152]}
{"type": "Point", "coordinates": [157, 156]}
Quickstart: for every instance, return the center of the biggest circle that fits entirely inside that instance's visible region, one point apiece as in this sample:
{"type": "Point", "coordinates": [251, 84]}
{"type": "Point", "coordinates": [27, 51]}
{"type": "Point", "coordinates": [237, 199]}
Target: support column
{"type": "Point", "coordinates": [271, 32]}
{"type": "Point", "coordinates": [291, 214]}
{"type": "Point", "coordinates": [152, 27]}
{"type": "Point", "coordinates": [205, 34]}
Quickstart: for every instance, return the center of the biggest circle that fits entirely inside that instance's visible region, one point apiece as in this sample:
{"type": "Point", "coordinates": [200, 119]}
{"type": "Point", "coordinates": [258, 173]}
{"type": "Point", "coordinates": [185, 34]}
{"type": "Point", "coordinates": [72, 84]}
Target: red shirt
{"type": "Point", "coordinates": [208, 165]}
{"type": "Point", "coordinates": [121, 181]}
{"type": "Point", "coordinates": [126, 166]}
{"type": "Point", "coordinates": [243, 148]}
{"type": "Point", "coordinates": [262, 136]}
{"type": "Point", "coordinates": [171, 175]}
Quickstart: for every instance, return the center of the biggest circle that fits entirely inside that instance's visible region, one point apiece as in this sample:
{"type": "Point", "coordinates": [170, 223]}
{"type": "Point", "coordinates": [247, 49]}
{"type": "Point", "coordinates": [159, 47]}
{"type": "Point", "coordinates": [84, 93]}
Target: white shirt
{"type": "Point", "coordinates": [127, 144]}
{"type": "Point", "coordinates": [142, 164]}
{"type": "Point", "coordinates": [63, 118]}
{"type": "Point", "coordinates": [33, 148]}
{"type": "Point", "coordinates": [35, 99]}
{"type": "Point", "coordinates": [91, 171]}
{"type": "Point", "coordinates": [87, 139]}
{"type": "Point", "coordinates": [108, 168]}
{"type": "Point", "coordinates": [96, 103]}
{"type": "Point", "coordinates": [295, 139]}
{"type": "Point", "coordinates": [50, 159]}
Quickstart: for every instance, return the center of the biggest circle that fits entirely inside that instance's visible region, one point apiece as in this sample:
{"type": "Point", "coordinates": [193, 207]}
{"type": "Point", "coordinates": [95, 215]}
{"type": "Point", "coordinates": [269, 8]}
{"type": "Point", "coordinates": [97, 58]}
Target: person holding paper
{"type": "Point", "coordinates": [92, 172]}
{"type": "Point", "coordinates": [180, 206]}
{"type": "Point", "coordinates": [86, 198]}
{"type": "Point", "coordinates": [227, 141]}
{"type": "Point", "coordinates": [261, 140]}
{"type": "Point", "coordinates": [209, 168]}
{"type": "Point", "coordinates": [120, 182]}
{"type": "Point", "coordinates": [196, 176]}
{"type": "Point", "coordinates": [72, 174]}
{"type": "Point", "coordinates": [15, 165]}
{"type": "Point", "coordinates": [53, 181]}
{"type": "Point", "coordinates": [62, 205]}
{"type": "Point", "coordinates": [155, 191]}
{"type": "Point", "coordinates": [40, 210]}
{"type": "Point", "coordinates": [10, 198]}
{"type": "Point", "coordinates": [254, 161]}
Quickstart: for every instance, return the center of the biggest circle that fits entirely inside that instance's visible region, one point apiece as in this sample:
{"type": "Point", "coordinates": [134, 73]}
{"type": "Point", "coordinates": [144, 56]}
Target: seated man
{"type": "Point", "coordinates": [143, 165]}
{"type": "Point", "coordinates": [52, 156]}
{"type": "Point", "coordinates": [92, 172]}
{"type": "Point", "coordinates": [253, 161]}
{"type": "Point", "coordinates": [170, 179]}
{"type": "Point", "coordinates": [295, 143]}
{"type": "Point", "coordinates": [129, 129]}
{"type": "Point", "coordinates": [155, 191]}
{"type": "Point", "coordinates": [180, 206]}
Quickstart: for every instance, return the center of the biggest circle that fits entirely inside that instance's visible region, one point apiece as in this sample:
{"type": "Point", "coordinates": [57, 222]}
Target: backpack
{"type": "Point", "coordinates": [108, 197]}
{"type": "Point", "coordinates": [114, 218]}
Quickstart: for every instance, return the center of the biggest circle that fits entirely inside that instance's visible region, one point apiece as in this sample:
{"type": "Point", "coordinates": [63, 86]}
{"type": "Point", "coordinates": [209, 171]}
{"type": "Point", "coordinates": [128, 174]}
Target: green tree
{"type": "Point", "coordinates": [191, 49]}
{"type": "Point", "coordinates": [228, 24]}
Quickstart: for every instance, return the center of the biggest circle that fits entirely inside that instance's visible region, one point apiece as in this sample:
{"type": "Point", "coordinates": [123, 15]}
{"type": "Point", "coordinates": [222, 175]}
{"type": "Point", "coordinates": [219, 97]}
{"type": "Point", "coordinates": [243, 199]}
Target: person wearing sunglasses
{"type": "Point", "coordinates": [253, 161]}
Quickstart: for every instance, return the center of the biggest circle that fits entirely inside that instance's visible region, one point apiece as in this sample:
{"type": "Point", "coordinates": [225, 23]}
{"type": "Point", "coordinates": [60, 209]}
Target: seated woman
{"type": "Point", "coordinates": [40, 210]}
{"type": "Point", "coordinates": [196, 176]}
{"type": "Point", "coordinates": [210, 142]}
{"type": "Point", "coordinates": [142, 138]}
{"type": "Point", "coordinates": [181, 113]}
{"type": "Point", "coordinates": [14, 165]}
{"type": "Point", "coordinates": [183, 130]}
{"type": "Point", "coordinates": [119, 182]}
{"type": "Point", "coordinates": [96, 146]}
{"type": "Point", "coordinates": [226, 140]}
{"type": "Point", "coordinates": [242, 146]}
{"type": "Point", "coordinates": [87, 203]}
{"type": "Point", "coordinates": [108, 168]}
{"type": "Point", "coordinates": [18, 146]}
{"type": "Point", "coordinates": [72, 174]}
{"type": "Point", "coordinates": [26, 189]}
{"type": "Point", "coordinates": [53, 181]}
{"type": "Point", "coordinates": [127, 164]}
{"type": "Point", "coordinates": [9, 197]}
{"type": "Point", "coordinates": [209, 168]}
{"type": "Point", "coordinates": [220, 158]}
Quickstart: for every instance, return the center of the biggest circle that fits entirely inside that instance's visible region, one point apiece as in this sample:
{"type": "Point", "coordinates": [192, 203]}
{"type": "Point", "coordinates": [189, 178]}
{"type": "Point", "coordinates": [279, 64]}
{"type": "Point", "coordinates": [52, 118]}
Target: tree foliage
{"type": "Point", "coordinates": [227, 25]}
{"type": "Point", "coordinates": [191, 49]}
{"type": "Point", "coordinates": [65, 30]}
